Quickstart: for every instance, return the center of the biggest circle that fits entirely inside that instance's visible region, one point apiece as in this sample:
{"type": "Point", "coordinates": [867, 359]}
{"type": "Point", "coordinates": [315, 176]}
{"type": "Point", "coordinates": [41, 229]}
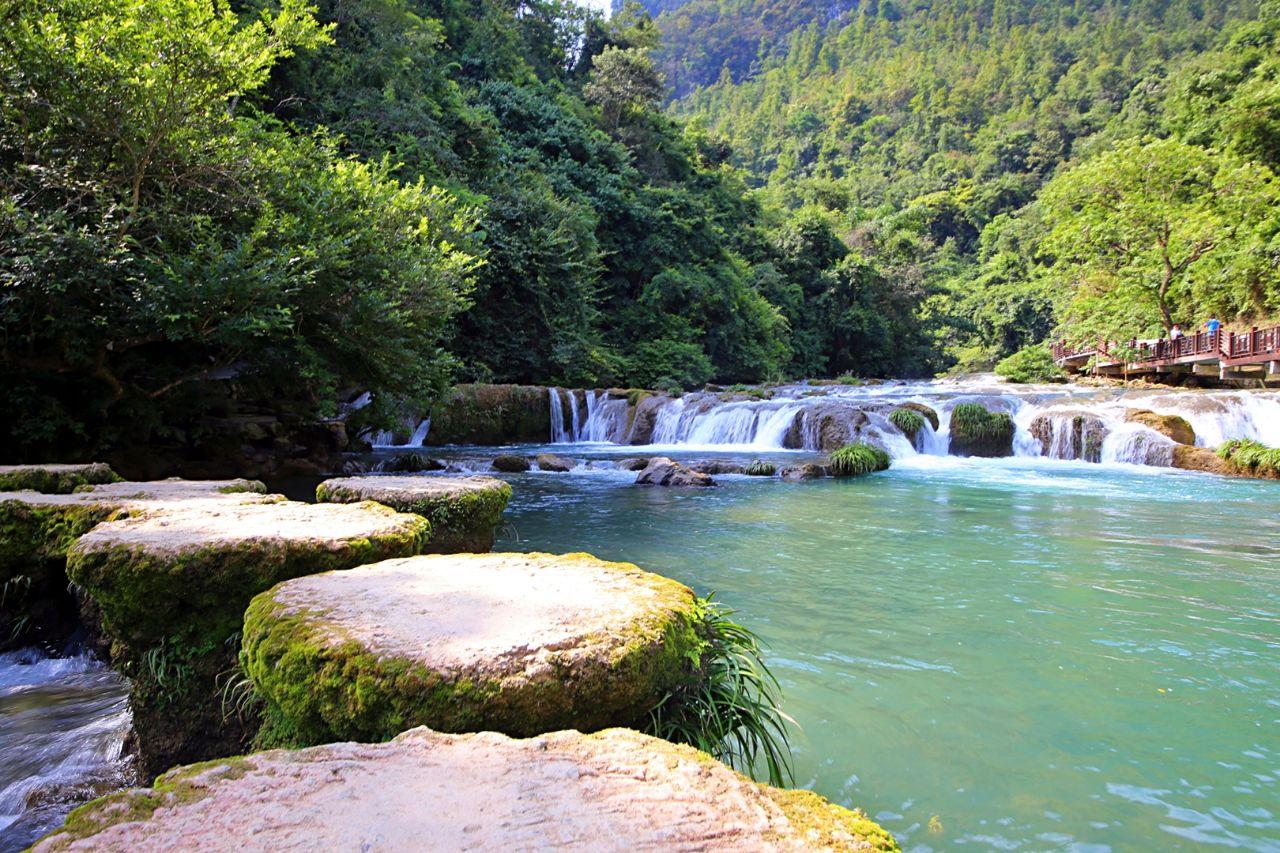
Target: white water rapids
{"type": "Point", "coordinates": [1052, 421]}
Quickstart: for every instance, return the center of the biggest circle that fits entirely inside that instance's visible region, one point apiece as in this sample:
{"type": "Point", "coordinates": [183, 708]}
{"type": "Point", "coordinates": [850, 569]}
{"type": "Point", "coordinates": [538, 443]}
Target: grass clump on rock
{"type": "Point", "coordinates": [908, 420]}
{"type": "Point", "coordinates": [760, 468]}
{"type": "Point", "coordinates": [464, 511]}
{"type": "Point", "coordinates": [977, 431]}
{"type": "Point", "coordinates": [731, 708]}
{"type": "Point", "coordinates": [856, 459]}
{"type": "Point", "coordinates": [1251, 456]}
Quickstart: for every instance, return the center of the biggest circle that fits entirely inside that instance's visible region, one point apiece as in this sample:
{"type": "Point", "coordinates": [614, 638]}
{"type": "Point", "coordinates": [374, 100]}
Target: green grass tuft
{"type": "Point", "coordinates": [730, 709]}
{"type": "Point", "coordinates": [761, 468]}
{"type": "Point", "coordinates": [1253, 455]}
{"type": "Point", "coordinates": [975, 422]}
{"type": "Point", "coordinates": [908, 420]}
{"type": "Point", "coordinates": [856, 459]}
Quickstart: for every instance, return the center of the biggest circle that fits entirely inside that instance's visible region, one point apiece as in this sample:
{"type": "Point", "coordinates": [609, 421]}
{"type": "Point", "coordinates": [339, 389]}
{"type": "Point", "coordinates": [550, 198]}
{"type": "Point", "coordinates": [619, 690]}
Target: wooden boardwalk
{"type": "Point", "coordinates": [1226, 355]}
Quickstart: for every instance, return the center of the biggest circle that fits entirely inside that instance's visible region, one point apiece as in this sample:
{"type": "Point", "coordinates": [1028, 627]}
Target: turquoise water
{"type": "Point", "coordinates": [1039, 655]}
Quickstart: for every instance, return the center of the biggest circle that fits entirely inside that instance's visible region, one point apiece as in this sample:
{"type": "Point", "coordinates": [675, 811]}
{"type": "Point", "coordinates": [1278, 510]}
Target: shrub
{"type": "Point", "coordinates": [1253, 455]}
{"type": "Point", "coordinates": [1032, 364]}
{"type": "Point", "coordinates": [730, 709]}
{"type": "Point", "coordinates": [856, 459]}
{"type": "Point", "coordinates": [908, 420]}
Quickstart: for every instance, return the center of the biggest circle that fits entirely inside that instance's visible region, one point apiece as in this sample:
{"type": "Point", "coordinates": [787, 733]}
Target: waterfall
{"type": "Point", "coordinates": [1063, 422]}
{"type": "Point", "coordinates": [558, 434]}
{"type": "Point", "coordinates": [384, 438]}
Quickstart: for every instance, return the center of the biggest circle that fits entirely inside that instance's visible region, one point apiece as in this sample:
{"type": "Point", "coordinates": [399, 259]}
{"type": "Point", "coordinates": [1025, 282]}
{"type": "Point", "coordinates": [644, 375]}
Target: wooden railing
{"type": "Point", "coordinates": [1254, 346]}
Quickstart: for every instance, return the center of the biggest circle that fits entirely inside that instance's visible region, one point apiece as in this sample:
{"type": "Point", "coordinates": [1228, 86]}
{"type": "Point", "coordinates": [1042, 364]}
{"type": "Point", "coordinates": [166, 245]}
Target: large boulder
{"type": "Point", "coordinates": [58, 479]}
{"type": "Point", "coordinates": [644, 416]}
{"type": "Point", "coordinates": [662, 471]}
{"type": "Point", "coordinates": [518, 643]}
{"type": "Point", "coordinates": [805, 471]}
{"type": "Point", "coordinates": [464, 511]}
{"type": "Point", "coordinates": [717, 467]}
{"type": "Point", "coordinates": [1203, 459]}
{"type": "Point", "coordinates": [826, 426]}
{"type": "Point", "coordinates": [171, 584]}
{"type": "Point", "coordinates": [616, 790]}
{"type": "Point", "coordinates": [1173, 427]}
{"type": "Point", "coordinates": [978, 431]}
{"type": "Point", "coordinates": [491, 415]}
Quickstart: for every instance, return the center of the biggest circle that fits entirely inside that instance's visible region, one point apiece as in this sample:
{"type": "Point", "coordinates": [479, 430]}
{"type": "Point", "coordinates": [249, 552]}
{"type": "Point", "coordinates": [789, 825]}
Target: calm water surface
{"type": "Point", "coordinates": [1039, 655]}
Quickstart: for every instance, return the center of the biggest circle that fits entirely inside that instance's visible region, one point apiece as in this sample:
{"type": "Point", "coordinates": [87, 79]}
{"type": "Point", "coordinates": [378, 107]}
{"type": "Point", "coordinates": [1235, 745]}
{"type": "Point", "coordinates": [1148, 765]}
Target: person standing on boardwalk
{"type": "Point", "coordinates": [1212, 325]}
{"type": "Point", "coordinates": [1175, 332]}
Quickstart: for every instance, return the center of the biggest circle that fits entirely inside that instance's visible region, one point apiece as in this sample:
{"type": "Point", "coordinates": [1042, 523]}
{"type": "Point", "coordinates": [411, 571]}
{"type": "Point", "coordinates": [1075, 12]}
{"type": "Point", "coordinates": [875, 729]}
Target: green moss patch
{"type": "Point", "coordinates": [490, 415]}
{"type": "Point", "coordinates": [464, 511]}
{"type": "Point", "coordinates": [596, 644]}
{"type": "Point", "coordinates": [54, 479]}
{"type": "Point", "coordinates": [856, 459]}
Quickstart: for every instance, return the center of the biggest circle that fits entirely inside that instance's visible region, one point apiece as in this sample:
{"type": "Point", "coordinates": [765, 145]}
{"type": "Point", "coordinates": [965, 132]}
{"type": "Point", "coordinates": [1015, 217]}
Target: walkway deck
{"type": "Point", "coordinates": [1227, 355]}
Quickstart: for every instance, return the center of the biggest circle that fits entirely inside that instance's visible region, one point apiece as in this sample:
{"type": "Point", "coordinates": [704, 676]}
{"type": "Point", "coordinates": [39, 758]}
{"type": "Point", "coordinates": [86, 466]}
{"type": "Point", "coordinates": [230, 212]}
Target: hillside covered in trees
{"type": "Point", "coordinates": [210, 207]}
{"type": "Point", "coordinates": [1017, 168]}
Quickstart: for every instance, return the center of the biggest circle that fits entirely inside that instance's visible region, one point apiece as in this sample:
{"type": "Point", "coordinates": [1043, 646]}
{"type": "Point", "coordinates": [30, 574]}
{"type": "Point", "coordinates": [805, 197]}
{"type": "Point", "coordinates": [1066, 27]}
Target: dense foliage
{"type": "Point", "coordinates": [1014, 164]}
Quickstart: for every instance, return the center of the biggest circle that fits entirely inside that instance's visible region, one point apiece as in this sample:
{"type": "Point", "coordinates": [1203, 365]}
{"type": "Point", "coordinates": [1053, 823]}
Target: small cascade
{"type": "Point", "coordinates": [1135, 444]}
{"type": "Point", "coordinates": [558, 433]}
{"type": "Point", "coordinates": [1219, 416]}
{"type": "Point", "coordinates": [606, 418]}
{"type": "Point", "coordinates": [575, 425]}
{"type": "Point", "coordinates": [417, 430]}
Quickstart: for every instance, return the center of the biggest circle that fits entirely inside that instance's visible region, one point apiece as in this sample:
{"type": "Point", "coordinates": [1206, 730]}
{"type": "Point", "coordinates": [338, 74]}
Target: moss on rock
{"type": "Point", "coordinates": [517, 643]}
{"type": "Point", "coordinates": [1172, 427]}
{"type": "Point", "coordinates": [55, 479]}
{"type": "Point", "coordinates": [464, 511]}
{"type": "Point", "coordinates": [171, 586]}
{"type": "Point", "coordinates": [606, 789]}
{"type": "Point", "coordinates": [490, 415]}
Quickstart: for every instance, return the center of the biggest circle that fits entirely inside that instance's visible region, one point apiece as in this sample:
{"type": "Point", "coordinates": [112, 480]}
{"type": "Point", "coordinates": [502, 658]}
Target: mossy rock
{"type": "Point", "coordinates": [464, 511]}
{"type": "Point", "coordinates": [616, 789]}
{"type": "Point", "coordinates": [491, 415]}
{"type": "Point", "coordinates": [517, 643]}
{"type": "Point", "coordinates": [928, 412]}
{"type": "Point", "coordinates": [54, 479]}
{"type": "Point", "coordinates": [171, 586]}
{"type": "Point", "coordinates": [978, 431]}
{"type": "Point", "coordinates": [1173, 427]}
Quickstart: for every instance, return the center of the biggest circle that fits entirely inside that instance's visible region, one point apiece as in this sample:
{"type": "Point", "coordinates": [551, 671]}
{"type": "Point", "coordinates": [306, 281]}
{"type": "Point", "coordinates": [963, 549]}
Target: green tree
{"type": "Point", "coordinates": [1132, 232]}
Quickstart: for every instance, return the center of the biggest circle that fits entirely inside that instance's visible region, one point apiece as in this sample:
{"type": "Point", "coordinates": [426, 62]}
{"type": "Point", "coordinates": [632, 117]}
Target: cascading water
{"type": "Point", "coordinates": [386, 439]}
{"type": "Point", "coordinates": [1051, 421]}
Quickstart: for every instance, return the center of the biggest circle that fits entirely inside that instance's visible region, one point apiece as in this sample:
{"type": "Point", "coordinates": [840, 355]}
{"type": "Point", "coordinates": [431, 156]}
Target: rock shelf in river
{"type": "Point", "coordinates": [54, 478]}
{"type": "Point", "coordinates": [613, 790]}
{"type": "Point", "coordinates": [518, 643]}
{"type": "Point", "coordinates": [170, 585]}
{"type": "Point", "coordinates": [464, 511]}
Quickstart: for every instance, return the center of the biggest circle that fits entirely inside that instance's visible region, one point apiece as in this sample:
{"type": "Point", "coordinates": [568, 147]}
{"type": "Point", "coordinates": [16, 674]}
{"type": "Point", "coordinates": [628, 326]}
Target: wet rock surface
{"type": "Point", "coordinates": [511, 464]}
{"type": "Point", "coordinates": [1173, 427]}
{"type": "Point", "coordinates": [662, 471]}
{"type": "Point", "coordinates": [554, 463]}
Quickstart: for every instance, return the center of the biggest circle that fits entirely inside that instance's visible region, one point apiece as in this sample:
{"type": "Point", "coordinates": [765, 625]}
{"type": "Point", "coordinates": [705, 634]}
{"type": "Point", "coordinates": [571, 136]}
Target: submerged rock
{"type": "Point", "coordinates": [511, 464]}
{"type": "Point", "coordinates": [557, 464]}
{"type": "Point", "coordinates": [171, 583]}
{"type": "Point", "coordinates": [718, 466]}
{"type": "Point", "coordinates": [633, 463]}
{"type": "Point", "coordinates": [518, 643]}
{"type": "Point", "coordinates": [1173, 427]}
{"type": "Point", "coordinates": [807, 471]}
{"type": "Point", "coordinates": [464, 511]}
{"type": "Point", "coordinates": [614, 790]}
{"type": "Point", "coordinates": [56, 479]}
{"type": "Point", "coordinates": [662, 471]}
{"type": "Point", "coordinates": [411, 463]}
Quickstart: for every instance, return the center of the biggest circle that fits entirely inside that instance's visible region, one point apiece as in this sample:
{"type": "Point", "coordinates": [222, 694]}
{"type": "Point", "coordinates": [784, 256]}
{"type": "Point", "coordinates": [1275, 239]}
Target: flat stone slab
{"type": "Point", "coordinates": [56, 478]}
{"type": "Point", "coordinates": [463, 511]}
{"type": "Point", "coordinates": [151, 568]}
{"type": "Point", "coordinates": [518, 643]}
{"type": "Point", "coordinates": [614, 790]}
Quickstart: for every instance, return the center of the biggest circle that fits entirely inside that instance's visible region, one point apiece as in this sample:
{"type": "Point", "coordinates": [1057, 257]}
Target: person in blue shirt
{"type": "Point", "coordinates": [1212, 325]}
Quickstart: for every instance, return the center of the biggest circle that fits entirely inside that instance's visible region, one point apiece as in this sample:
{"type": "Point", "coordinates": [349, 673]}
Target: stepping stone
{"type": "Point", "coordinates": [614, 790]}
{"type": "Point", "coordinates": [54, 478]}
{"type": "Point", "coordinates": [463, 511]}
{"type": "Point", "coordinates": [517, 643]}
{"type": "Point", "coordinates": [171, 585]}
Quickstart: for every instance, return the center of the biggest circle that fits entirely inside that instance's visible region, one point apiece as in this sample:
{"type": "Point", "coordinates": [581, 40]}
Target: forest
{"type": "Point", "coordinates": [210, 206]}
